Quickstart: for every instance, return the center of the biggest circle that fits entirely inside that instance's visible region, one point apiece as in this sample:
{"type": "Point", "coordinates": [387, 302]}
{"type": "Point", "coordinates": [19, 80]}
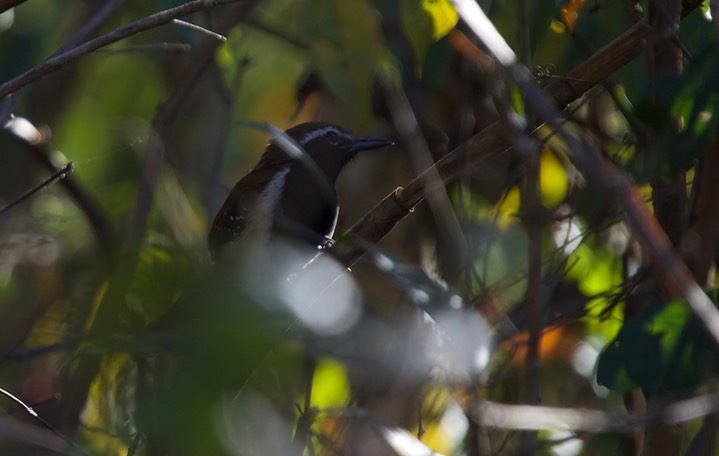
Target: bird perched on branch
{"type": "Point", "coordinates": [291, 191]}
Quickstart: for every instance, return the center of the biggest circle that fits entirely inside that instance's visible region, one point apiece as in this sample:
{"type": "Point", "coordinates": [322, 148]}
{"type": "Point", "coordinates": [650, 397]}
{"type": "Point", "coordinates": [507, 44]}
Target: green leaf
{"type": "Point", "coordinates": [691, 99]}
{"type": "Point", "coordinates": [663, 351]}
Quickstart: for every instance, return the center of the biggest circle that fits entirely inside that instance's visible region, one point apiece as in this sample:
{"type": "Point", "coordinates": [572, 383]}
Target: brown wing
{"type": "Point", "coordinates": [237, 212]}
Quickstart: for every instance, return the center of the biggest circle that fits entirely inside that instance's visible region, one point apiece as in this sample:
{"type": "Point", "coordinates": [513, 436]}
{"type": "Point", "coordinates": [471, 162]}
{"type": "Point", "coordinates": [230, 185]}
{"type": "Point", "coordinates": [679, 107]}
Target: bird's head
{"type": "Point", "coordinates": [330, 146]}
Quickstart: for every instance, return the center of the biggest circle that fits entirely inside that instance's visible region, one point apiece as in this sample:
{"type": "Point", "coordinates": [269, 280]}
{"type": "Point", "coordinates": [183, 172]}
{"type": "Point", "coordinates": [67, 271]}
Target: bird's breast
{"type": "Point", "coordinates": [306, 210]}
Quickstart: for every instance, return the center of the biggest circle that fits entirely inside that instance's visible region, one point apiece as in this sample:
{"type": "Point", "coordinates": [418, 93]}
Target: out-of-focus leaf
{"type": "Point", "coordinates": [103, 130]}
{"type": "Point", "coordinates": [570, 12]}
{"type": "Point", "coordinates": [435, 64]}
{"type": "Point", "coordinates": [595, 267]}
{"type": "Point", "coordinates": [158, 280]}
{"type": "Point", "coordinates": [498, 242]}
{"type": "Point", "coordinates": [344, 46]}
{"type": "Point", "coordinates": [445, 423]}
{"type": "Point", "coordinates": [664, 351]}
{"type": "Point", "coordinates": [598, 273]}
{"type": "Point", "coordinates": [553, 180]}
{"type": "Point", "coordinates": [109, 403]}
{"type": "Point", "coordinates": [330, 385]}
{"type": "Point", "coordinates": [265, 85]}
{"type": "Point", "coordinates": [426, 21]}
{"type": "Point", "coordinates": [692, 99]}
{"type": "Point", "coordinates": [508, 208]}
{"type": "Point", "coordinates": [517, 100]}
{"type": "Point", "coordinates": [405, 443]}
{"type": "Point", "coordinates": [499, 257]}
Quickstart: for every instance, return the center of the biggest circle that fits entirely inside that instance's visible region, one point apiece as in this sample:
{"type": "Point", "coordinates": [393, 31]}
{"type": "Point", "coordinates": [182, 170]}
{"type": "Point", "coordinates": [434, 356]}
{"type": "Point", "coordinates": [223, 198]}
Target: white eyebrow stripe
{"type": "Point", "coordinates": [314, 134]}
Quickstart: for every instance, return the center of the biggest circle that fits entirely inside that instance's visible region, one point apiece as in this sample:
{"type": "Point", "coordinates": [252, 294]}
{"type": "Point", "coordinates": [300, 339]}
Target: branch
{"type": "Point", "coordinates": [91, 25]}
{"type": "Point", "coordinates": [7, 4]}
{"type": "Point", "coordinates": [490, 142]}
{"type": "Point", "coordinates": [29, 410]}
{"type": "Point", "coordinates": [78, 385]}
{"type": "Point", "coordinates": [55, 63]}
{"type": "Point", "coordinates": [676, 276]}
{"type": "Point", "coordinates": [37, 143]}
{"type": "Point", "coordinates": [535, 418]}
{"type": "Point", "coordinates": [58, 174]}
{"type": "Point", "coordinates": [165, 117]}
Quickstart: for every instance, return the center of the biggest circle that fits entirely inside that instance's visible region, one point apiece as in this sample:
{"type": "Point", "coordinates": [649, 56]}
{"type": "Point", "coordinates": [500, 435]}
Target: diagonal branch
{"type": "Point", "coordinates": [490, 142]}
{"type": "Point", "coordinates": [61, 60]}
{"type": "Point", "coordinates": [674, 272]}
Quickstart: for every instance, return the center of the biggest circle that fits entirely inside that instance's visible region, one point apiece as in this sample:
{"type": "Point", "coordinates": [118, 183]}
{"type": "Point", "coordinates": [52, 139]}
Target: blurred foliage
{"type": "Point", "coordinates": [663, 351]}
{"type": "Point", "coordinates": [427, 24]}
{"type": "Point", "coordinates": [134, 343]}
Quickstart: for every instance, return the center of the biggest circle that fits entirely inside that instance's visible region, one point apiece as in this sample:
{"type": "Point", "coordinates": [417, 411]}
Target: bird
{"type": "Point", "coordinates": [284, 194]}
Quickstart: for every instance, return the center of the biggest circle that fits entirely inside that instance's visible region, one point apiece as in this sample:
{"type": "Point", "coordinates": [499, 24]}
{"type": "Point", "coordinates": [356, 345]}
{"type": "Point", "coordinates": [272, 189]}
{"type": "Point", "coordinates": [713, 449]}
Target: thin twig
{"type": "Point", "coordinates": [528, 149]}
{"type": "Point", "coordinates": [490, 143]}
{"type": "Point", "coordinates": [30, 411]}
{"type": "Point", "coordinates": [420, 158]}
{"type": "Point", "coordinates": [202, 30]}
{"type": "Point", "coordinates": [59, 174]}
{"type": "Point", "coordinates": [37, 143]}
{"type": "Point", "coordinates": [164, 118]}
{"type": "Point", "coordinates": [155, 155]}
{"type": "Point", "coordinates": [88, 28]}
{"type": "Point", "coordinates": [670, 265]}
{"type": "Point", "coordinates": [77, 387]}
{"type": "Point", "coordinates": [55, 63]}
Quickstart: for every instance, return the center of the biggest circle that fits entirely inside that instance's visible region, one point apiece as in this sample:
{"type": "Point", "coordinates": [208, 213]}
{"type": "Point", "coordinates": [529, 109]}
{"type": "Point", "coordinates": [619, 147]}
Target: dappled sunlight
{"type": "Point", "coordinates": [249, 424]}
{"type": "Point", "coordinates": [288, 227]}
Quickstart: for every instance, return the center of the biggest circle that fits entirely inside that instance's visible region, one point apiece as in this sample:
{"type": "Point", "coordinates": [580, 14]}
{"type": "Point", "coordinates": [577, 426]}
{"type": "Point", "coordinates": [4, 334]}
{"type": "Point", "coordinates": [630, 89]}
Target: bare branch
{"type": "Point", "coordinates": [420, 159]}
{"type": "Point", "coordinates": [30, 411]}
{"type": "Point", "coordinates": [490, 143]}
{"type": "Point", "coordinates": [58, 174]}
{"type": "Point", "coordinates": [55, 63]}
{"type": "Point", "coordinates": [202, 30]}
{"type": "Point", "coordinates": [535, 418]}
{"type": "Point", "coordinates": [93, 23]}
{"type": "Point", "coordinates": [7, 4]}
{"type": "Point", "coordinates": [677, 277]}
{"type": "Point", "coordinates": [37, 143]}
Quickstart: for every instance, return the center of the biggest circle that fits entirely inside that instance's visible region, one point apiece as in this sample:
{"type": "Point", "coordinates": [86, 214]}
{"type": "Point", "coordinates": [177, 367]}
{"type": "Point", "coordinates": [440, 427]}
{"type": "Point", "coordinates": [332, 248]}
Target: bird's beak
{"type": "Point", "coordinates": [368, 144]}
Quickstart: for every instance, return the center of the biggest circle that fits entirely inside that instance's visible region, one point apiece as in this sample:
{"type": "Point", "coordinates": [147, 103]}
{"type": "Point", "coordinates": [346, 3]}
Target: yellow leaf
{"type": "Point", "coordinates": [225, 56]}
{"type": "Point", "coordinates": [509, 208]}
{"type": "Point", "coordinates": [443, 15]}
{"type": "Point", "coordinates": [557, 27]}
{"type": "Point", "coordinates": [553, 180]}
{"type": "Point", "coordinates": [426, 21]}
{"type": "Point", "coordinates": [330, 386]}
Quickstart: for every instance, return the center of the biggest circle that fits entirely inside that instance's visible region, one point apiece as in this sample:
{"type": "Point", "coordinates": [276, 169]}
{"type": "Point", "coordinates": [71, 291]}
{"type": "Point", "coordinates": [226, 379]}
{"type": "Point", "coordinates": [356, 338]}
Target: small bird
{"type": "Point", "coordinates": [282, 195]}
